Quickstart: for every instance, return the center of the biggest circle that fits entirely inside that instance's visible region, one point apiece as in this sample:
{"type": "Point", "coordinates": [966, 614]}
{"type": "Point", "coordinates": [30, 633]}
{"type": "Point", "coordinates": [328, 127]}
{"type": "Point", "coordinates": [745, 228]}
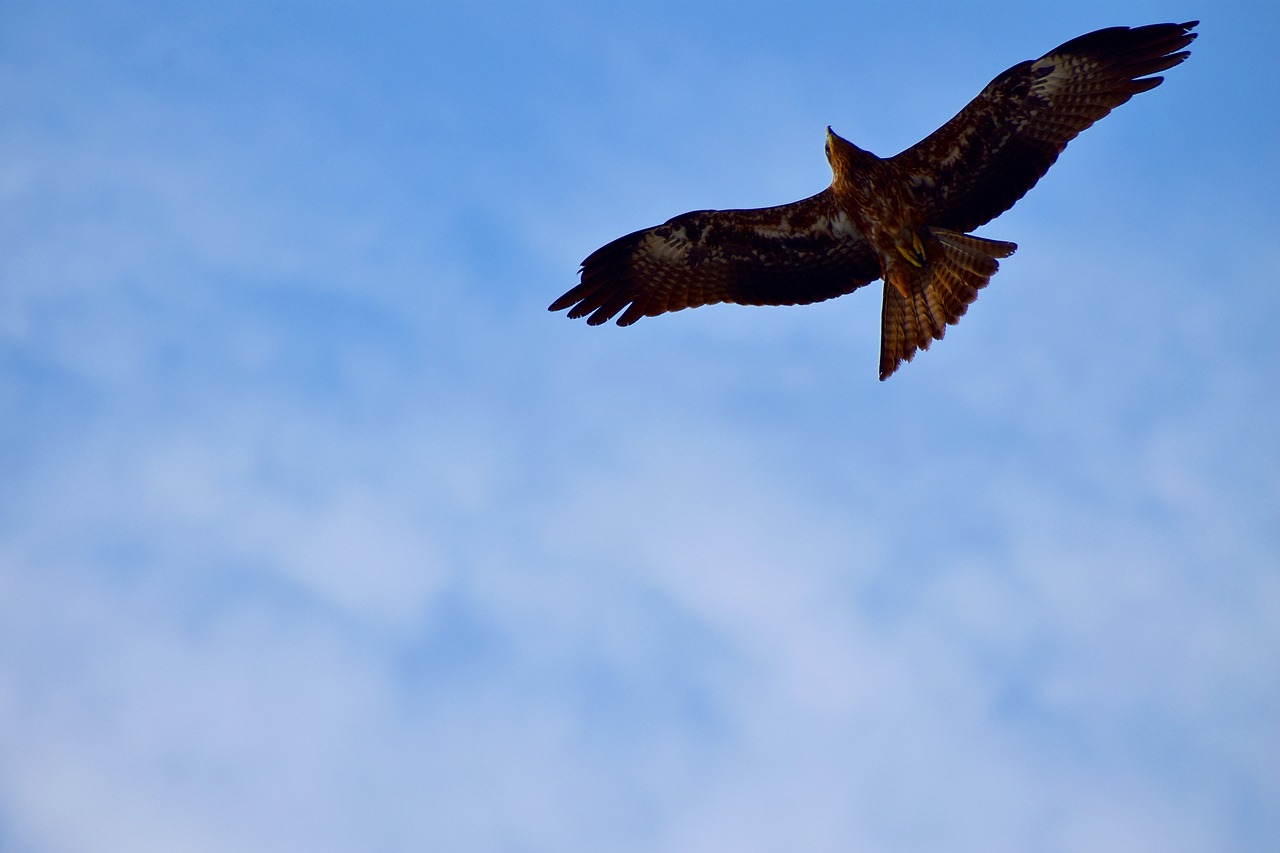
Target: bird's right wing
{"type": "Point", "coordinates": [977, 165]}
{"type": "Point", "coordinates": [787, 255]}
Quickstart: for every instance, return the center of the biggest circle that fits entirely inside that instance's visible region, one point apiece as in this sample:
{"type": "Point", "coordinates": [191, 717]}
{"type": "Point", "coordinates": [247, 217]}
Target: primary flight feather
{"type": "Point", "coordinates": [903, 219]}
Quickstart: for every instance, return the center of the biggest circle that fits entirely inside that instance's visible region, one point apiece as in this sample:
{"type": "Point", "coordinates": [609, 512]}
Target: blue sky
{"type": "Point", "coordinates": [318, 532]}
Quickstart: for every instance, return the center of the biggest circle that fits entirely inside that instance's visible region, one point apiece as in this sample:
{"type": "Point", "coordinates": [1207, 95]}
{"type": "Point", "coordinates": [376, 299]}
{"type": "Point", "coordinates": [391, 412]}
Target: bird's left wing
{"type": "Point", "coordinates": [977, 165]}
{"type": "Point", "coordinates": [787, 255]}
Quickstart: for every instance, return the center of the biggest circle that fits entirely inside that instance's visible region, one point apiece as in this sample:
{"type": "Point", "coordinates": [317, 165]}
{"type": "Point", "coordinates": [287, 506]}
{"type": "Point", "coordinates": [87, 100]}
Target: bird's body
{"type": "Point", "coordinates": [931, 274]}
{"type": "Point", "coordinates": [904, 219]}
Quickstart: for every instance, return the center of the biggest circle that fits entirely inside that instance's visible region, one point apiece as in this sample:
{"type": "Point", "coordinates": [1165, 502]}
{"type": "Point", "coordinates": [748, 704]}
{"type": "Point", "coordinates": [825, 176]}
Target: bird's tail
{"type": "Point", "coordinates": [956, 267]}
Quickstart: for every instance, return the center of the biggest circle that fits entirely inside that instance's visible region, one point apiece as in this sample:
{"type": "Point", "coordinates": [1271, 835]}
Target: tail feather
{"type": "Point", "coordinates": [958, 266]}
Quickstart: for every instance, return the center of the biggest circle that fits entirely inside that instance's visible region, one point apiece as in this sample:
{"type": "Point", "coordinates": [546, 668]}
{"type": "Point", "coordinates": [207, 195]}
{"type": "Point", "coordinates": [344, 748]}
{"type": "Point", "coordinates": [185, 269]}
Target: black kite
{"type": "Point", "coordinates": [904, 219]}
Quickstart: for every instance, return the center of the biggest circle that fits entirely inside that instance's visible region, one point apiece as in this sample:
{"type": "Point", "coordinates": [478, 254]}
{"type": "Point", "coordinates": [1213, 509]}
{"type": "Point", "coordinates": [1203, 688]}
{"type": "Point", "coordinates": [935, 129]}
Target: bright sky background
{"type": "Point", "coordinates": [319, 533]}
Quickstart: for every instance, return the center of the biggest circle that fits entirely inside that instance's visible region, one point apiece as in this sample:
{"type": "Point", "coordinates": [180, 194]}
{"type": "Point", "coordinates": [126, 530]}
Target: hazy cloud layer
{"type": "Point", "coordinates": [317, 532]}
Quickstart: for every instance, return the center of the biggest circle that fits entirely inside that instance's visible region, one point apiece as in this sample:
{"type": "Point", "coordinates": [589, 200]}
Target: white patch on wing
{"type": "Point", "coordinates": [1064, 70]}
{"type": "Point", "coordinates": [661, 249]}
{"type": "Point", "coordinates": [840, 224]}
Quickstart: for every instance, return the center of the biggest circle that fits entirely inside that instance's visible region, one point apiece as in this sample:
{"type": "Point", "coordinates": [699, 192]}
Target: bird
{"type": "Point", "coordinates": [905, 219]}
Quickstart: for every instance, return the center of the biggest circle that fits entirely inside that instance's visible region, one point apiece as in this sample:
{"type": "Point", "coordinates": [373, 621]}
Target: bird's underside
{"type": "Point", "coordinates": [904, 219]}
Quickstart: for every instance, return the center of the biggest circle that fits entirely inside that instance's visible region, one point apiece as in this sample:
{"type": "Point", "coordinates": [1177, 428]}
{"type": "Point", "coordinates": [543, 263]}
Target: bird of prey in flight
{"type": "Point", "coordinates": [904, 219]}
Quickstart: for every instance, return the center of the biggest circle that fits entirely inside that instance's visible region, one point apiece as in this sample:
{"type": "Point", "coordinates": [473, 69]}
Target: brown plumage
{"type": "Point", "coordinates": [903, 219]}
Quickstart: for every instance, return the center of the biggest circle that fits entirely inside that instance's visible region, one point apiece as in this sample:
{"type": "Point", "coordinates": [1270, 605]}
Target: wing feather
{"type": "Point", "coordinates": [792, 254]}
{"type": "Point", "coordinates": [977, 165]}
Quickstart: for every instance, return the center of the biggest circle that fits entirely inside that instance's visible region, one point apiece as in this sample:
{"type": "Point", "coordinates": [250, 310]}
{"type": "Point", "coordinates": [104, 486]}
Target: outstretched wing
{"type": "Point", "coordinates": [788, 255]}
{"type": "Point", "coordinates": [977, 165]}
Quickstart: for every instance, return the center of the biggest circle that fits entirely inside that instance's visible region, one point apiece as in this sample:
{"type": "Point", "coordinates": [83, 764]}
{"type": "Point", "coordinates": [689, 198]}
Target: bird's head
{"type": "Point", "coordinates": [845, 157]}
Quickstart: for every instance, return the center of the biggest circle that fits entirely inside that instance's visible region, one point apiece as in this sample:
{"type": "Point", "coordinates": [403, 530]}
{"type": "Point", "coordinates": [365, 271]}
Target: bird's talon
{"type": "Point", "coordinates": [914, 255]}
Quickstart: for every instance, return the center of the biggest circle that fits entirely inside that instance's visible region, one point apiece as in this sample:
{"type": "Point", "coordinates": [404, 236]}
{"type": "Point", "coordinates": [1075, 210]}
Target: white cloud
{"type": "Point", "coordinates": [323, 550]}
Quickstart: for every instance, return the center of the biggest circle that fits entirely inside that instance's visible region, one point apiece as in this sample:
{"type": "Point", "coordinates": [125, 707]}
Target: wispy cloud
{"type": "Point", "coordinates": [317, 532]}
